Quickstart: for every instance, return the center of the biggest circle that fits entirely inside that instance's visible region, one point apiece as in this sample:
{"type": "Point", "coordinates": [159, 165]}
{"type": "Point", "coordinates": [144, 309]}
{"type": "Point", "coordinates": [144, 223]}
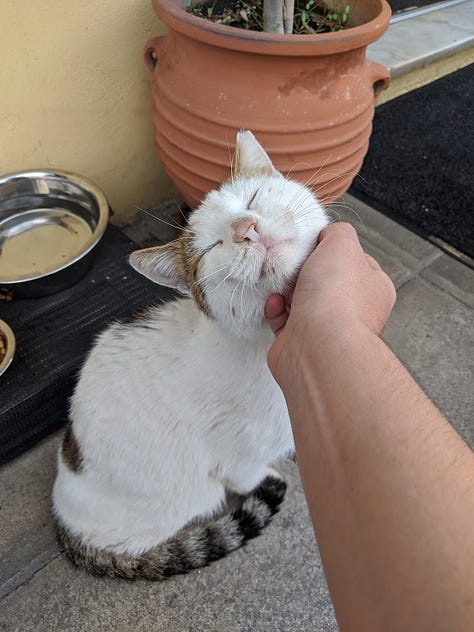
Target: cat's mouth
{"type": "Point", "coordinates": [270, 250]}
{"type": "Point", "coordinates": [285, 281]}
{"type": "Point", "coordinates": [269, 263]}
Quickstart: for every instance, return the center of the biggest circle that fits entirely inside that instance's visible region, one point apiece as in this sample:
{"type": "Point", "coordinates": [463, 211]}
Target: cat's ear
{"type": "Point", "coordinates": [163, 265]}
{"type": "Point", "coordinates": [250, 157]}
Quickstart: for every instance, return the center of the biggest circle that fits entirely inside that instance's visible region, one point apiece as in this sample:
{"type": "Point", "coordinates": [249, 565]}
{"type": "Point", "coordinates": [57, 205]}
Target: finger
{"type": "Point", "coordinates": [372, 262]}
{"type": "Point", "coordinates": [274, 306]}
{"type": "Point", "coordinates": [342, 229]}
{"type": "Point", "coordinates": [391, 292]}
{"type": "Point", "coordinates": [340, 239]}
{"type": "Point", "coordinates": [276, 313]}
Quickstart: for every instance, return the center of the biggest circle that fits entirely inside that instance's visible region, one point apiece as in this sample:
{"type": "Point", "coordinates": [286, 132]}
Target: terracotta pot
{"type": "Point", "coordinates": [309, 99]}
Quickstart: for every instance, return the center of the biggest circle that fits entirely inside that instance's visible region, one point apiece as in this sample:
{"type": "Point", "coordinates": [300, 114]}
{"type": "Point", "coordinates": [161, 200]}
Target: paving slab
{"type": "Point", "coordinates": [399, 272]}
{"type": "Point", "coordinates": [157, 225]}
{"type": "Point", "coordinates": [402, 253]}
{"type": "Point", "coordinates": [26, 532]}
{"type": "Point", "coordinates": [454, 277]}
{"type": "Point", "coordinates": [274, 583]}
{"type": "Point", "coordinates": [416, 39]}
{"type": "Point", "coordinates": [389, 236]}
{"type": "Point", "coordinates": [433, 335]}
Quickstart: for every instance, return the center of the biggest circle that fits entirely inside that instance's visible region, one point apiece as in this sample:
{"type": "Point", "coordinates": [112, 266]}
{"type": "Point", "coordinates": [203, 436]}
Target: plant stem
{"type": "Point", "coordinates": [273, 16]}
{"type": "Point", "coordinates": [288, 15]}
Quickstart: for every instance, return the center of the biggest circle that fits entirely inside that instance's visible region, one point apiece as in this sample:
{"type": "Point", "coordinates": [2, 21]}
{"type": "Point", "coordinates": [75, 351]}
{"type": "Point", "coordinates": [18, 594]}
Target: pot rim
{"type": "Point", "coordinates": [176, 18]}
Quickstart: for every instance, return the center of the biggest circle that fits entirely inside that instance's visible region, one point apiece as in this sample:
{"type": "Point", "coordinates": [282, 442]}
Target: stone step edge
{"type": "Point", "coordinates": [418, 38]}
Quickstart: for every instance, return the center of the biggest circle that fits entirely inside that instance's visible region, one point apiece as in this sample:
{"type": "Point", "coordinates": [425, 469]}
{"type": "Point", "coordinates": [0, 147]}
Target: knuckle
{"type": "Point", "coordinates": [344, 228]}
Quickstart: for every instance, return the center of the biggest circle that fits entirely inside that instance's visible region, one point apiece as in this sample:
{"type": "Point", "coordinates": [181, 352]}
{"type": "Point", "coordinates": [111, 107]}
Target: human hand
{"type": "Point", "coordinates": [340, 290]}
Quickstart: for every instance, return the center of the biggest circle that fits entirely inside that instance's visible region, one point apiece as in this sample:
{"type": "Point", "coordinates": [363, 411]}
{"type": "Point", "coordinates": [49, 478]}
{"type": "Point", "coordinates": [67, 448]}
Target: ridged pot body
{"type": "Point", "coordinates": [309, 100]}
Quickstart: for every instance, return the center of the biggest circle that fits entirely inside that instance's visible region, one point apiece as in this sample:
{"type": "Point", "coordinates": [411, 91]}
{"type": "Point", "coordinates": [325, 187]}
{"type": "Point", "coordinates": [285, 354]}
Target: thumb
{"type": "Point", "coordinates": [276, 313]}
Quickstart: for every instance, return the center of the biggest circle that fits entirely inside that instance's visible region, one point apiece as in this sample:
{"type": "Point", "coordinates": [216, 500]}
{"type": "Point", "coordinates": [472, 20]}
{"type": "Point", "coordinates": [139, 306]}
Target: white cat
{"type": "Point", "coordinates": [177, 408]}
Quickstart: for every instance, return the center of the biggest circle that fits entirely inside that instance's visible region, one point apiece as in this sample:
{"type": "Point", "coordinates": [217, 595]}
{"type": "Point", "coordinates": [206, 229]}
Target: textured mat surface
{"type": "Point", "coordinates": [409, 5]}
{"type": "Point", "coordinates": [420, 164]}
{"type": "Point", "coordinates": [53, 335]}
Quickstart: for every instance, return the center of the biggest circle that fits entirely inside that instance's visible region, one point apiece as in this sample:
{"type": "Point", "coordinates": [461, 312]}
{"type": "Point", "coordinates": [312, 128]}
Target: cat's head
{"type": "Point", "coordinates": [246, 240]}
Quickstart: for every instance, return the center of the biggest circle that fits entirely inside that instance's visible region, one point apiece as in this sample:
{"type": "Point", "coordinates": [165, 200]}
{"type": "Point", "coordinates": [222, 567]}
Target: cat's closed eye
{"type": "Point", "coordinates": [252, 199]}
{"type": "Point", "coordinates": [219, 242]}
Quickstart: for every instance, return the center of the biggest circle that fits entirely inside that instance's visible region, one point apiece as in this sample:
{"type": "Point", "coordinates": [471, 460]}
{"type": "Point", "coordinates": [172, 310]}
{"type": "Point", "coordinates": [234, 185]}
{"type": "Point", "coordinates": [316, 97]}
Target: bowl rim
{"type": "Point", "coordinates": [9, 336]}
{"type": "Point", "coordinates": [83, 182]}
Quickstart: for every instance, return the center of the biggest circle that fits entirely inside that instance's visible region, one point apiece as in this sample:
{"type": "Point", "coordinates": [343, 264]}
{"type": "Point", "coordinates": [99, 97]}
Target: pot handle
{"type": "Point", "coordinates": [380, 78]}
{"type": "Point", "coordinates": [152, 51]}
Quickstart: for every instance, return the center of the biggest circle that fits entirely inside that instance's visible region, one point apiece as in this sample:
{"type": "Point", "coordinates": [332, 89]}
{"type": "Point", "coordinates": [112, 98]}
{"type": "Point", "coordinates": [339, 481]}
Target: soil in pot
{"type": "Point", "coordinates": [310, 16]}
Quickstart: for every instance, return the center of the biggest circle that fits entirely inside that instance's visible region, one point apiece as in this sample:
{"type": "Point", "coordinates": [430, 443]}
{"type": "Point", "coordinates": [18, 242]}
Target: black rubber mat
{"type": "Point", "coordinates": [408, 5]}
{"type": "Point", "coordinates": [53, 335]}
{"type": "Point", "coordinates": [419, 169]}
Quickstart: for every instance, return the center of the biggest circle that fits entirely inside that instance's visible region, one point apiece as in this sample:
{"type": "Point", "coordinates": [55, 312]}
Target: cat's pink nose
{"type": "Point", "coordinates": [245, 229]}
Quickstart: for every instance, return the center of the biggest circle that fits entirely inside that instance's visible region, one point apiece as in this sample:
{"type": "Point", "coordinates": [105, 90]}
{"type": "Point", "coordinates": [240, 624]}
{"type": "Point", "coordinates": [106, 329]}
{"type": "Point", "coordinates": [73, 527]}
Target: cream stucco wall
{"type": "Point", "coordinates": [74, 95]}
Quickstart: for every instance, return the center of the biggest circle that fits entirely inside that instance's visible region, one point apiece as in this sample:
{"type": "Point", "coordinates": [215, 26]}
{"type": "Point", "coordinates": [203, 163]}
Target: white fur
{"type": "Point", "coordinates": [170, 414]}
{"type": "Point", "coordinates": [289, 219]}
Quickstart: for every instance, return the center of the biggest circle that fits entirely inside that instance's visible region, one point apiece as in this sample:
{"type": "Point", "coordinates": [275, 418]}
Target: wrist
{"type": "Point", "coordinates": [310, 357]}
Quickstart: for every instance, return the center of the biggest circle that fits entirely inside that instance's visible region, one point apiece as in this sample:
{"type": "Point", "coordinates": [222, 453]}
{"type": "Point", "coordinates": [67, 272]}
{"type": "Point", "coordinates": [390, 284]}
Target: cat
{"type": "Point", "coordinates": [176, 419]}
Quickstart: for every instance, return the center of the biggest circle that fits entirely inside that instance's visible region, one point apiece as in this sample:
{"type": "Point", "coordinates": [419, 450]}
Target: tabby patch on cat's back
{"type": "Point", "coordinates": [156, 446]}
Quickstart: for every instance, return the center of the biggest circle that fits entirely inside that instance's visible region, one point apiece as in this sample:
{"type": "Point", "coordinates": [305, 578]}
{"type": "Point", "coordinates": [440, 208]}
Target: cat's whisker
{"type": "Point", "coordinates": [297, 164]}
{"type": "Point", "coordinates": [221, 283]}
{"type": "Point", "coordinates": [305, 214]}
{"type": "Point", "coordinates": [300, 194]}
{"type": "Point", "coordinates": [338, 202]}
{"type": "Point", "coordinates": [331, 209]}
{"type": "Point", "coordinates": [189, 232]}
{"type": "Point", "coordinates": [333, 216]}
{"type": "Point", "coordinates": [308, 182]}
{"type": "Point", "coordinates": [207, 276]}
{"type": "Point", "coordinates": [180, 210]}
{"type": "Point", "coordinates": [242, 303]}
{"type": "Point", "coordinates": [358, 176]}
{"type": "Point", "coordinates": [159, 219]}
{"type": "Point", "coordinates": [282, 190]}
{"type": "Point", "coordinates": [296, 198]}
{"type": "Point", "coordinates": [255, 290]}
{"type": "Point", "coordinates": [324, 199]}
{"type": "Point", "coordinates": [232, 313]}
{"type": "Point", "coordinates": [231, 160]}
{"type": "Point", "coordinates": [318, 170]}
{"type": "Point", "coordinates": [337, 176]}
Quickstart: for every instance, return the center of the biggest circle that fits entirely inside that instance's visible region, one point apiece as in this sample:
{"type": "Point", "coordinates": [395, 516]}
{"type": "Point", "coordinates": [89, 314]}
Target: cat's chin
{"type": "Point", "coordinates": [288, 287]}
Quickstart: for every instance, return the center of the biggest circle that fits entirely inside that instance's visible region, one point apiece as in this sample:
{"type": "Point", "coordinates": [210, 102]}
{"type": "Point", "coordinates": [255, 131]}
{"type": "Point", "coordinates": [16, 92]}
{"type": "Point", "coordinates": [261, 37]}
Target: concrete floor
{"type": "Point", "coordinates": [276, 582]}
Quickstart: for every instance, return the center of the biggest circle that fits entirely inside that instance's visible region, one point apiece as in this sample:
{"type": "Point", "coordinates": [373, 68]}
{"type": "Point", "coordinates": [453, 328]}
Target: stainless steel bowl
{"type": "Point", "coordinates": [8, 340]}
{"type": "Point", "coordinates": [50, 222]}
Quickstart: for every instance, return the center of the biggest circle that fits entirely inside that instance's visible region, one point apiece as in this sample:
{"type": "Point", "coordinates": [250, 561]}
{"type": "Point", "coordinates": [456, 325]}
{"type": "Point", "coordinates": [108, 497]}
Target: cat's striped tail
{"type": "Point", "coordinates": [195, 546]}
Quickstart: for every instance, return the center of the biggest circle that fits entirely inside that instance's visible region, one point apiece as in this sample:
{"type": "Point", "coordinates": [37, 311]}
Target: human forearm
{"type": "Point", "coordinates": [389, 486]}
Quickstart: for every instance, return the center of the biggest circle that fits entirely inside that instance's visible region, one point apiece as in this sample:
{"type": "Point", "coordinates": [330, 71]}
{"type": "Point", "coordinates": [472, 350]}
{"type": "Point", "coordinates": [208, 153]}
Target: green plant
{"type": "Point", "coordinates": [275, 16]}
{"type": "Point", "coordinates": [310, 18]}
